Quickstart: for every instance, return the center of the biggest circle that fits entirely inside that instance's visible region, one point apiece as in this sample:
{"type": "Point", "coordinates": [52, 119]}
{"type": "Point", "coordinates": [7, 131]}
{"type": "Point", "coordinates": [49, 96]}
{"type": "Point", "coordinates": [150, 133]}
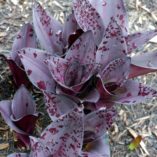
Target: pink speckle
{"type": "Point", "coordinates": [121, 17]}
{"type": "Point", "coordinates": [18, 36]}
{"type": "Point", "coordinates": [35, 55]}
{"type": "Point", "coordinates": [29, 72]}
{"type": "Point", "coordinates": [129, 94]}
{"type": "Point", "coordinates": [41, 85]}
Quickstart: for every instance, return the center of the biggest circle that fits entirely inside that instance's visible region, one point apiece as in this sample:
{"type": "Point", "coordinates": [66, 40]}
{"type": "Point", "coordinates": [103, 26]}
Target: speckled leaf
{"type": "Point", "coordinates": [33, 61]}
{"type": "Point", "coordinates": [133, 92]}
{"type": "Point", "coordinates": [70, 76]}
{"type": "Point", "coordinates": [113, 45]}
{"type": "Point", "coordinates": [24, 38]}
{"type": "Point", "coordinates": [88, 18]}
{"type": "Point", "coordinates": [57, 67]}
{"type": "Point", "coordinates": [97, 123]}
{"type": "Point", "coordinates": [143, 64]}
{"type": "Point", "coordinates": [22, 103]}
{"type": "Point", "coordinates": [117, 71]}
{"type": "Point", "coordinates": [58, 105]}
{"type": "Point", "coordinates": [137, 40]}
{"type": "Point", "coordinates": [83, 50]}
{"type": "Point", "coordinates": [48, 30]}
{"type": "Point", "coordinates": [108, 9]}
{"type": "Point", "coordinates": [70, 27]}
{"type": "Point", "coordinates": [62, 137]}
{"type": "Point", "coordinates": [76, 75]}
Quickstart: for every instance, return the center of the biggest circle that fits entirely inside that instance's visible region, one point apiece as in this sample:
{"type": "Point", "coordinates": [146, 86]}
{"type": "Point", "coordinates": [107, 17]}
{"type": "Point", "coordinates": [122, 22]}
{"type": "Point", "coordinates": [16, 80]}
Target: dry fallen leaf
{"type": "Point", "coordinates": [4, 146]}
{"type": "Point", "coordinates": [142, 144]}
{"type": "Point", "coordinates": [135, 143]}
{"type": "Point", "coordinates": [3, 34]}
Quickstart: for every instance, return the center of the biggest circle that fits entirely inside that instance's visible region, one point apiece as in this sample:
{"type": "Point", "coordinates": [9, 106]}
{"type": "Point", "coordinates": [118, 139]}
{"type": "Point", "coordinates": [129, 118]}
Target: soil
{"type": "Point", "coordinates": [131, 121]}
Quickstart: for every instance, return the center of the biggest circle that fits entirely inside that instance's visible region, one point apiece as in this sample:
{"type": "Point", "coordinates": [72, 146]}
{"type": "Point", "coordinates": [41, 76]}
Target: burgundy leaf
{"type": "Point", "coordinates": [34, 63]}
{"type": "Point", "coordinates": [137, 40]}
{"type": "Point", "coordinates": [48, 30]}
{"type": "Point", "coordinates": [138, 71]}
{"type": "Point", "coordinates": [19, 75]}
{"type": "Point", "coordinates": [88, 18]}
{"type": "Point", "coordinates": [106, 93]}
{"type": "Point", "coordinates": [143, 64]}
{"type": "Point", "coordinates": [73, 37]}
{"type": "Point", "coordinates": [26, 124]}
{"type": "Point", "coordinates": [108, 9]}
{"type": "Point", "coordinates": [22, 103]}
{"type": "Point", "coordinates": [24, 38]}
{"type": "Point", "coordinates": [58, 105]}
{"type": "Point", "coordinates": [62, 137]}
{"type": "Point", "coordinates": [133, 92]}
{"type": "Point", "coordinates": [113, 45]}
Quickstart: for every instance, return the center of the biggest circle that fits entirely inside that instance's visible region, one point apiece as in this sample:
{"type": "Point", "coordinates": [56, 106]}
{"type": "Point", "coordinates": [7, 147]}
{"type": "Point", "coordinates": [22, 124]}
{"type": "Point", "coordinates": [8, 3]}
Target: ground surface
{"type": "Point", "coordinates": [132, 120]}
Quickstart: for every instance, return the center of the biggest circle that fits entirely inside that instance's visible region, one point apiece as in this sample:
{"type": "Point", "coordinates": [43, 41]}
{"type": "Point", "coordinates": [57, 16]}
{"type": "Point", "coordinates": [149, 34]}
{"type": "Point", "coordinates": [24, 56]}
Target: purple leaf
{"type": "Point", "coordinates": [78, 65]}
{"type": "Point", "coordinates": [100, 146]}
{"type": "Point", "coordinates": [5, 109]}
{"type": "Point", "coordinates": [143, 64]}
{"type": "Point", "coordinates": [22, 103]}
{"type": "Point", "coordinates": [97, 123]}
{"type": "Point", "coordinates": [138, 71]}
{"type": "Point", "coordinates": [19, 75]}
{"type": "Point", "coordinates": [117, 71]}
{"type": "Point", "coordinates": [35, 66]}
{"type": "Point", "coordinates": [106, 93]}
{"type": "Point", "coordinates": [20, 115]}
{"type": "Point", "coordinates": [62, 137]}
{"type": "Point", "coordinates": [26, 124]}
{"type": "Point", "coordinates": [83, 49]}
{"type": "Point", "coordinates": [57, 67]}
{"type": "Point", "coordinates": [88, 18]}
{"type": "Point", "coordinates": [137, 40]}
{"type": "Point", "coordinates": [133, 92]}
{"type": "Point", "coordinates": [18, 155]}
{"type": "Point", "coordinates": [113, 45]}
{"type": "Point", "coordinates": [48, 30]}
{"type": "Point", "coordinates": [58, 105]}
{"type": "Point", "coordinates": [25, 38]}
{"type": "Point", "coordinates": [70, 27]}
{"type": "Point", "coordinates": [91, 96]}
{"type": "Point", "coordinates": [108, 9]}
